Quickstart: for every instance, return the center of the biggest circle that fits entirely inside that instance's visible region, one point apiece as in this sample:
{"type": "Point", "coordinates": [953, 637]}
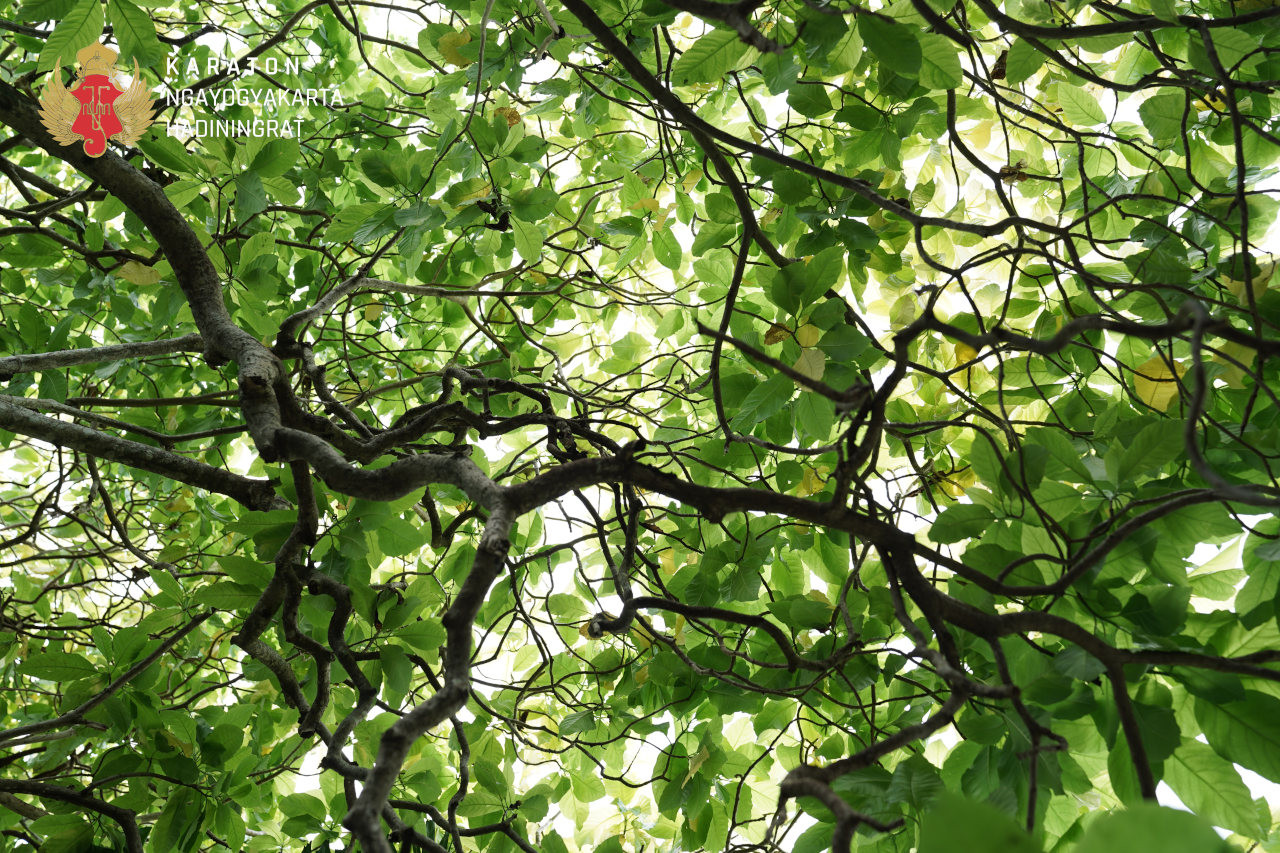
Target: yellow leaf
{"type": "Point", "coordinates": [177, 743]}
{"type": "Point", "coordinates": [537, 276]}
{"type": "Point", "coordinates": [964, 353]}
{"type": "Point", "coordinates": [678, 633]}
{"type": "Point", "coordinates": [668, 561]}
{"type": "Point", "coordinates": [1258, 284]}
{"type": "Point", "coordinates": [1211, 101]}
{"type": "Point", "coordinates": [699, 758]}
{"type": "Point", "coordinates": [1234, 374]}
{"type": "Point", "coordinates": [512, 116]}
{"type": "Point", "coordinates": [811, 363]}
{"type": "Point", "coordinates": [776, 334]}
{"type": "Point", "coordinates": [770, 215]}
{"type": "Point", "coordinates": [649, 204]}
{"type": "Point", "coordinates": [136, 273]}
{"type": "Point", "coordinates": [958, 483]}
{"type": "Point", "coordinates": [642, 674]}
{"type": "Point", "coordinates": [448, 46]}
{"type": "Point", "coordinates": [642, 638]}
{"type": "Point", "coordinates": [691, 180]}
{"type": "Point", "coordinates": [808, 335]}
{"type": "Point", "coordinates": [1155, 384]}
{"type": "Point", "coordinates": [483, 192]}
{"type": "Point", "coordinates": [812, 483]}
{"type": "Point", "coordinates": [372, 312]}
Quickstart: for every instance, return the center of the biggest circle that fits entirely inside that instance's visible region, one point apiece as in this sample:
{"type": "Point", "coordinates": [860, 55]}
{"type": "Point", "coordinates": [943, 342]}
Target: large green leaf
{"type": "Point", "coordinates": [81, 27]}
{"type": "Point", "coordinates": [763, 400]}
{"type": "Point", "coordinates": [711, 57]}
{"type": "Point", "coordinates": [1244, 731]}
{"type": "Point", "coordinates": [57, 666]}
{"type": "Point", "coordinates": [939, 63]}
{"type": "Point", "coordinates": [135, 32]}
{"type": "Point", "coordinates": [1148, 826]}
{"type": "Point", "coordinates": [957, 824]}
{"type": "Point", "coordinates": [894, 44]}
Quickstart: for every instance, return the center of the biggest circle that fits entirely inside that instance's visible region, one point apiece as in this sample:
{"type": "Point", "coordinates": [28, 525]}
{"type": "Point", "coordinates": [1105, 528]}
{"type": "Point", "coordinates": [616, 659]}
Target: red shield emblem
{"type": "Point", "coordinates": [97, 121]}
{"type": "Point", "coordinates": [96, 109]}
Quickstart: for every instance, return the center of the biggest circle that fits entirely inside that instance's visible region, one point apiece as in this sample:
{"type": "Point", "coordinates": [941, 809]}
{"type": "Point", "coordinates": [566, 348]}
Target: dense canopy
{"type": "Point", "coordinates": [640, 425]}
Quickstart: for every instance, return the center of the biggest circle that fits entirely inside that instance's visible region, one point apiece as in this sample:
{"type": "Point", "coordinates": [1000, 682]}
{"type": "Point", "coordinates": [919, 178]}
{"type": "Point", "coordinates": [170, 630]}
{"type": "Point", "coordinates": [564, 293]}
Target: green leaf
{"type": "Point", "coordinates": [81, 27]}
{"type": "Point", "coordinates": [529, 239]}
{"type": "Point", "coordinates": [666, 248]}
{"type": "Point", "coordinates": [63, 833]}
{"type": "Point", "coordinates": [56, 666]}
{"type": "Point", "coordinates": [353, 222]}
{"type": "Point", "coordinates": [1212, 788]}
{"type": "Point", "coordinates": [397, 668]}
{"type": "Point", "coordinates": [260, 244]}
{"type": "Point", "coordinates": [135, 31]}
{"type": "Point", "coordinates": [251, 197]}
{"type": "Point", "coordinates": [167, 154]}
{"type": "Point", "coordinates": [1022, 62]}
{"type": "Point", "coordinates": [226, 595]}
{"type": "Point", "coordinates": [711, 57]}
{"type": "Point", "coordinates": [1146, 826]}
{"type": "Point", "coordinates": [764, 400]}
{"type": "Point", "coordinates": [896, 46]}
{"type": "Point", "coordinates": [939, 63]}
{"type": "Point", "coordinates": [959, 522]}
{"type": "Point", "coordinates": [809, 100]}
{"type": "Point", "coordinates": [424, 636]}
{"type": "Point", "coordinates": [957, 824]}
{"type": "Point", "coordinates": [1079, 107]}
{"type": "Point", "coordinates": [806, 282]}
{"type": "Point", "coordinates": [1244, 731]}
{"type": "Point", "coordinates": [577, 723]}
{"type": "Point", "coordinates": [45, 10]}
{"type": "Point", "coordinates": [815, 839]}
{"type": "Point", "coordinates": [847, 51]}
{"type": "Point", "coordinates": [534, 204]}
{"type": "Point", "coordinates": [179, 825]}
{"type": "Point", "coordinates": [275, 158]}
{"type": "Point", "coordinates": [376, 166]}
{"type": "Point", "coordinates": [1158, 444]}
{"type": "Point", "coordinates": [1162, 115]}
{"type": "Point", "coordinates": [815, 415]}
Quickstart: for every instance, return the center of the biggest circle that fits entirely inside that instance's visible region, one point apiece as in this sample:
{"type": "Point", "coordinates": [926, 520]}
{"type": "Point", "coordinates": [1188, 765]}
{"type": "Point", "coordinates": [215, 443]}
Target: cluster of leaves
{"type": "Point", "coordinates": [902, 377]}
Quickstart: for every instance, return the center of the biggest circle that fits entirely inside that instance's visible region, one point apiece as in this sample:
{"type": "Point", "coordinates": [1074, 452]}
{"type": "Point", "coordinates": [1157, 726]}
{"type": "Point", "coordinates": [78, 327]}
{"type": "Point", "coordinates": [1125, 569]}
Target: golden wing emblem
{"type": "Point", "coordinates": [134, 108]}
{"type": "Point", "coordinates": [59, 108]}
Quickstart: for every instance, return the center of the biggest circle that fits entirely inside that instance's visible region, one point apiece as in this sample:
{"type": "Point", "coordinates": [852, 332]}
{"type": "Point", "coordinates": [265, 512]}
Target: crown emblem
{"type": "Point", "coordinates": [96, 108]}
